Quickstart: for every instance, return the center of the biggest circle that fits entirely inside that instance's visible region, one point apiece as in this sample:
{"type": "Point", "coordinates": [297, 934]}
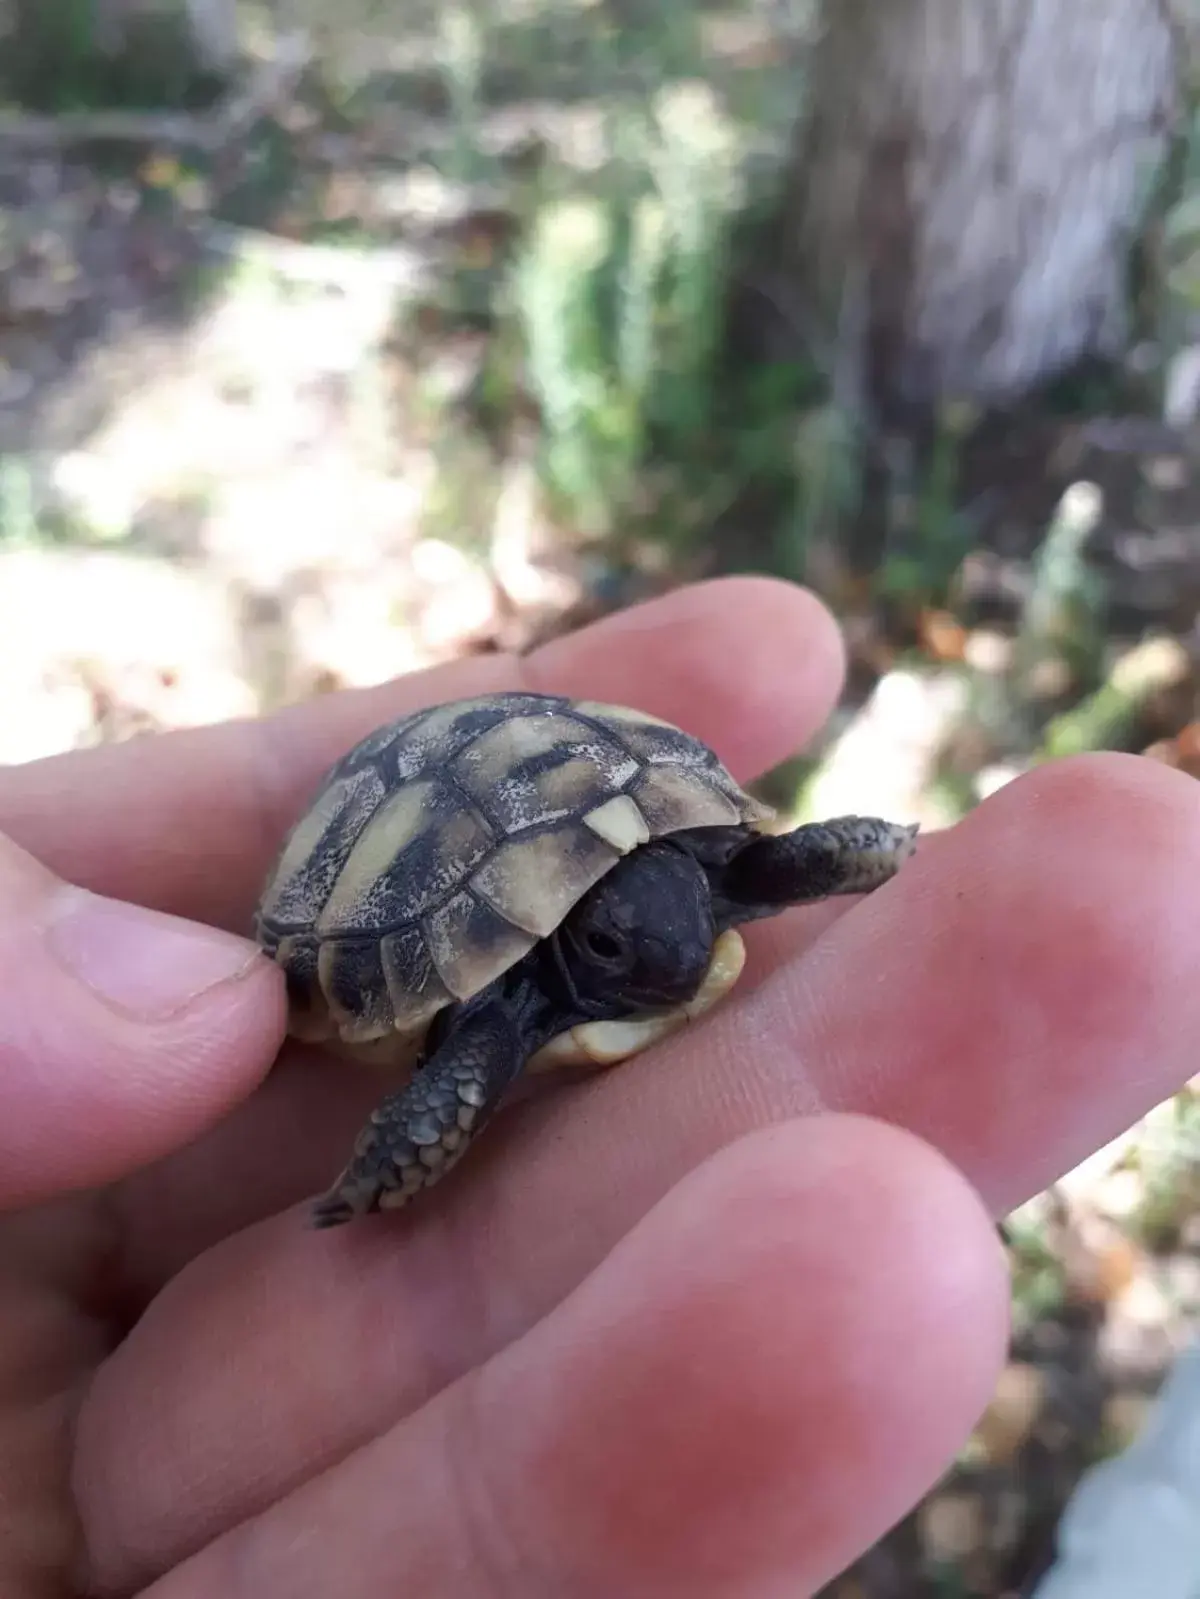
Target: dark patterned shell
{"type": "Point", "coordinates": [443, 846]}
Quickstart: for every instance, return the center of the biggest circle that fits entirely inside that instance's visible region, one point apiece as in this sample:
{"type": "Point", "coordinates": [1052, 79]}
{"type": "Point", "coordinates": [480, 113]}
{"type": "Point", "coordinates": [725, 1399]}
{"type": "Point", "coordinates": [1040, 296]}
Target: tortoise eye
{"type": "Point", "coordinates": [603, 946]}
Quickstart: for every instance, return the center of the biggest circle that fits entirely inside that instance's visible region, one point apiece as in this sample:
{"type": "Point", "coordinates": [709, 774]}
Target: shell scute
{"type": "Point", "coordinates": [351, 975]}
{"type": "Point", "coordinates": [416, 849]}
{"type": "Point", "coordinates": [672, 798]}
{"type": "Point", "coordinates": [517, 770]}
{"type": "Point", "coordinates": [534, 879]}
{"type": "Point", "coordinates": [658, 745]}
{"type": "Point", "coordinates": [436, 736]}
{"type": "Point", "coordinates": [315, 854]}
{"type": "Point", "coordinates": [416, 989]}
{"type": "Point", "coordinates": [471, 943]}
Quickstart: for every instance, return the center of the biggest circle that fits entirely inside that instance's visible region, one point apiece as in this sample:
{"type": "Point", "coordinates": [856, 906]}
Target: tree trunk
{"type": "Point", "coordinates": [968, 180]}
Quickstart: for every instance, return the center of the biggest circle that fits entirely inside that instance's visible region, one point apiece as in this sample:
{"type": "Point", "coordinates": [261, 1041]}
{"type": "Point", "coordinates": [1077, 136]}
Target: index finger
{"type": "Point", "coordinates": [189, 822]}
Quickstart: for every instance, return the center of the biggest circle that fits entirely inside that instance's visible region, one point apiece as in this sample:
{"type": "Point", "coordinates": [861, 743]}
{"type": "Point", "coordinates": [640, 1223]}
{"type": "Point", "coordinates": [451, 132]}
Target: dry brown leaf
{"type": "Point", "coordinates": [942, 636]}
{"type": "Point", "coordinates": [1182, 752]}
{"type": "Point", "coordinates": [1012, 1414]}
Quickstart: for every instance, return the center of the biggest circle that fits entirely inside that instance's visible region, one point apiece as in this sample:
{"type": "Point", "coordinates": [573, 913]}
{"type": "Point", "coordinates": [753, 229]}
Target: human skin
{"type": "Point", "coordinates": [706, 1325]}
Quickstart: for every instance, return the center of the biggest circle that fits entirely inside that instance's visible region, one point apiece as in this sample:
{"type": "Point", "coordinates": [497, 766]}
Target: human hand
{"type": "Point", "coordinates": [698, 1326]}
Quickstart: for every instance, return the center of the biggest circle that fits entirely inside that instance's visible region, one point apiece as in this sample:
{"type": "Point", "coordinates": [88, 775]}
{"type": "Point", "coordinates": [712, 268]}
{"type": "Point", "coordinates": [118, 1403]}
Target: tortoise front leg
{"type": "Point", "coordinates": [848, 855]}
{"type": "Point", "coordinates": [418, 1133]}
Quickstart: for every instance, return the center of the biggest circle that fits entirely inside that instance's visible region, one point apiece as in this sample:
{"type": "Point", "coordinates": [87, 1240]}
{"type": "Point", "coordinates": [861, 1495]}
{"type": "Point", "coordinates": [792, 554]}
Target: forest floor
{"type": "Point", "coordinates": [277, 384]}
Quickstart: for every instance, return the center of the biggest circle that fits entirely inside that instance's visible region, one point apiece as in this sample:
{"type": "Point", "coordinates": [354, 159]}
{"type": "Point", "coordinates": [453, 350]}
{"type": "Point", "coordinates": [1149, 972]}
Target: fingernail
{"type": "Point", "coordinates": [142, 962]}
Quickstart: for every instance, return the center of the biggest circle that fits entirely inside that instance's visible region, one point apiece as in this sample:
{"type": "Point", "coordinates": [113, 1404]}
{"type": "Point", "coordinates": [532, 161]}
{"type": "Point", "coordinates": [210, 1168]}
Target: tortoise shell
{"type": "Point", "coordinates": [441, 848]}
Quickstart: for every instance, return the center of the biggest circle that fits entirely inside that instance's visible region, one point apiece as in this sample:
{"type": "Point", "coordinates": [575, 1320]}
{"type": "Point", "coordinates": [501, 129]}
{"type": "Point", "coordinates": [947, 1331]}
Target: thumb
{"type": "Point", "coordinates": [123, 1032]}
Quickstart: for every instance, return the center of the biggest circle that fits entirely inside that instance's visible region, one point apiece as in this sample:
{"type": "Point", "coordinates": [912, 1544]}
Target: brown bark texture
{"type": "Point", "coordinates": [968, 179]}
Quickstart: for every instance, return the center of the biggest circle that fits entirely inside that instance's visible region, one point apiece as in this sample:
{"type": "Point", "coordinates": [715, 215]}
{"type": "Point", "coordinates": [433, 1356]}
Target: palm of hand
{"type": "Point", "coordinates": [684, 1330]}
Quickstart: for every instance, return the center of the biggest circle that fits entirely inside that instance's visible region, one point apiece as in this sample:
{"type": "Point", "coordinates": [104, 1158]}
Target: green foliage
{"type": "Point", "coordinates": [19, 523]}
{"type": "Point", "coordinates": [463, 45]}
{"type": "Point", "coordinates": [620, 296]}
{"type": "Point", "coordinates": [1180, 246]}
{"type": "Point", "coordinates": [57, 57]}
{"type": "Point", "coordinates": [1168, 1158]}
{"type": "Point", "coordinates": [591, 411]}
{"type": "Point", "coordinates": [929, 540]}
{"type": "Point", "coordinates": [1064, 611]}
{"type": "Point", "coordinates": [827, 457]}
{"type": "Point", "coordinates": [1038, 1281]}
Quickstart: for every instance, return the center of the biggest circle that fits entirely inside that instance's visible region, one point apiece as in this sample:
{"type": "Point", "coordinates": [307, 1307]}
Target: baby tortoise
{"type": "Point", "coordinates": [524, 881]}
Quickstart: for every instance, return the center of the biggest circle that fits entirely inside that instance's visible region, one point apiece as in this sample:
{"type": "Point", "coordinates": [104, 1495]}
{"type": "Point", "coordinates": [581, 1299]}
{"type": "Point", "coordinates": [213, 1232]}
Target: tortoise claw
{"type": "Point", "coordinates": [331, 1211]}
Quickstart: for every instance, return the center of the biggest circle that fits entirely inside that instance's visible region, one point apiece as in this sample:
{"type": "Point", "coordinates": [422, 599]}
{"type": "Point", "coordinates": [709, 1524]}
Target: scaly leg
{"type": "Point", "coordinates": [848, 855]}
{"type": "Point", "coordinates": [418, 1133]}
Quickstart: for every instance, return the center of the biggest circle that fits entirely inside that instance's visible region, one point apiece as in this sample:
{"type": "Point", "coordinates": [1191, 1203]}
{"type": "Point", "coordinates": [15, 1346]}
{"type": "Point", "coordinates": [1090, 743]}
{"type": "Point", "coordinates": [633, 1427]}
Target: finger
{"type": "Point", "coordinates": [738, 1400]}
{"type": "Point", "coordinates": [125, 1032]}
{"type": "Point", "coordinates": [749, 664]}
{"type": "Point", "coordinates": [312, 1113]}
{"type": "Point", "coordinates": [1018, 995]}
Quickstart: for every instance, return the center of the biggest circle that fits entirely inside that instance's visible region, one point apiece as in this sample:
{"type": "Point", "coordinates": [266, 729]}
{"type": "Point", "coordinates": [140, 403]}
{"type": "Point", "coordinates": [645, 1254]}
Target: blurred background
{"type": "Point", "coordinates": [338, 341]}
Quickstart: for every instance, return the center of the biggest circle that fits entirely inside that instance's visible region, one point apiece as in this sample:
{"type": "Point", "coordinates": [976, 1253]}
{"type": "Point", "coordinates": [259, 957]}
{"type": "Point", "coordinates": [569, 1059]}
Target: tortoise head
{"type": "Point", "coordinates": [643, 937]}
{"type": "Point", "coordinates": [643, 957]}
